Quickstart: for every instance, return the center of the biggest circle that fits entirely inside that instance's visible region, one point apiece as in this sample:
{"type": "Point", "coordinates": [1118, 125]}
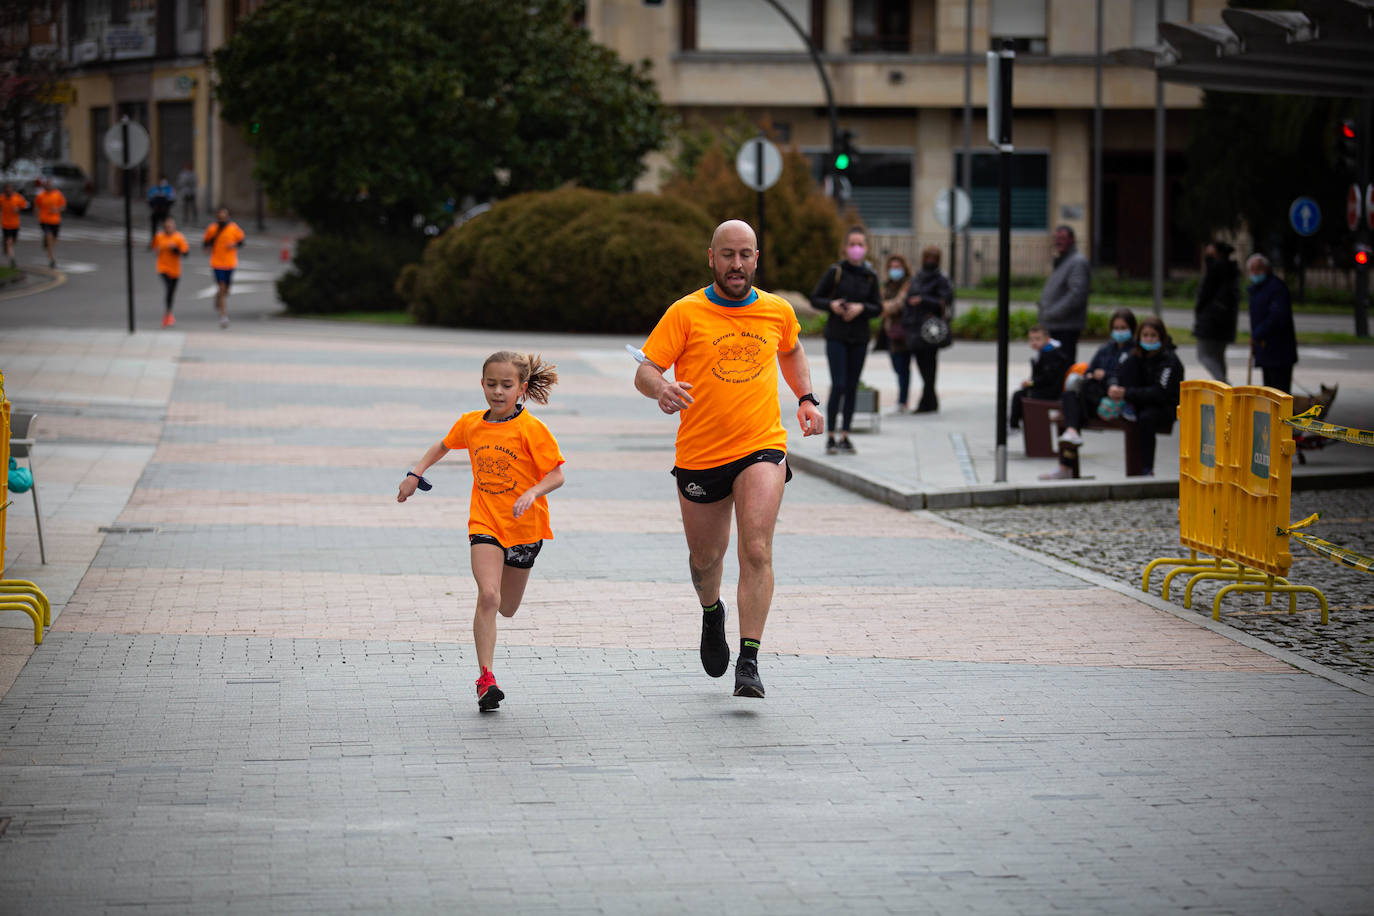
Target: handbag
{"type": "Point", "coordinates": [1109, 408]}
{"type": "Point", "coordinates": [934, 333]}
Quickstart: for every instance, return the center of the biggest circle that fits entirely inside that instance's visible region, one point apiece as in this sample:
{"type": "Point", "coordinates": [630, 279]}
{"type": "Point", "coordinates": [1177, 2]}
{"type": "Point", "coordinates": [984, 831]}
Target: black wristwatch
{"type": "Point", "coordinates": [423, 484]}
{"type": "Point", "coordinates": [808, 397]}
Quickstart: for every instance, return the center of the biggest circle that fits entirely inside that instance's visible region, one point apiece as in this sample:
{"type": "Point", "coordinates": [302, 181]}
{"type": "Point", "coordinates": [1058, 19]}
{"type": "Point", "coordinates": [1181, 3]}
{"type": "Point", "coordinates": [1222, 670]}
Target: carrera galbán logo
{"type": "Point", "coordinates": [491, 466]}
{"type": "Point", "coordinates": [739, 356]}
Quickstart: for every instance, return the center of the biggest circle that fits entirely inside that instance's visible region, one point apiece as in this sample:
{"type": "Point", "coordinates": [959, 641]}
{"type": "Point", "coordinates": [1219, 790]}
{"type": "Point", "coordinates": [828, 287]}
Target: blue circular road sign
{"type": "Point", "coordinates": [1305, 216]}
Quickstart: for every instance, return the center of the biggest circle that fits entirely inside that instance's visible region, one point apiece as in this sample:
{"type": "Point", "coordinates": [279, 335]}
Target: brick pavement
{"type": "Point", "coordinates": [264, 703]}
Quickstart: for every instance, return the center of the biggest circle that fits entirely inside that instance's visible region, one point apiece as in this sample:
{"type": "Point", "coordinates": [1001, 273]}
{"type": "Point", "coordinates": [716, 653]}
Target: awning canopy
{"type": "Point", "coordinates": [1325, 49]}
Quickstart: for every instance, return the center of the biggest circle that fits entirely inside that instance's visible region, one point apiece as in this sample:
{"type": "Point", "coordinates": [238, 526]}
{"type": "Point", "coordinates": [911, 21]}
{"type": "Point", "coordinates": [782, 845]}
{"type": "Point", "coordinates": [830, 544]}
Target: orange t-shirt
{"type": "Point", "coordinates": [50, 204]}
{"type": "Point", "coordinates": [10, 207]}
{"type": "Point", "coordinates": [507, 459]}
{"type": "Point", "coordinates": [729, 354]}
{"type": "Point", "coordinates": [170, 249]}
{"type": "Point", "coordinates": [224, 252]}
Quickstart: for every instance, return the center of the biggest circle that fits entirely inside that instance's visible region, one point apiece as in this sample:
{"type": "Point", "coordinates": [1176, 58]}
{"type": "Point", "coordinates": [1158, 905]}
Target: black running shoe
{"type": "Point", "coordinates": [846, 447]}
{"type": "Point", "coordinates": [715, 651]}
{"type": "Point", "coordinates": [747, 683]}
{"type": "Point", "coordinates": [830, 447]}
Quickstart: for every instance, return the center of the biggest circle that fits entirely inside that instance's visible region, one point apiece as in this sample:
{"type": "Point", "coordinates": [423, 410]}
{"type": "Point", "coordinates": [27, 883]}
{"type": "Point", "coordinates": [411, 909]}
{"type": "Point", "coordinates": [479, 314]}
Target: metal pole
{"type": "Point", "coordinates": [1157, 243]}
{"type": "Point", "coordinates": [1004, 146]}
{"type": "Point", "coordinates": [953, 231]}
{"type": "Point", "coordinates": [1362, 232]}
{"type": "Point", "coordinates": [1097, 145]}
{"type": "Point", "coordinates": [965, 165]}
{"type": "Point", "coordinates": [825, 84]}
{"type": "Point", "coordinates": [128, 222]}
{"type": "Point", "coordinates": [758, 172]}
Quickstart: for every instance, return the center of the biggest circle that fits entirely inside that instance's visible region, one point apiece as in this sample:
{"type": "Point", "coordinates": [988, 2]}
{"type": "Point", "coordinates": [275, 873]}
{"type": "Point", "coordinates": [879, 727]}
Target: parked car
{"type": "Point", "coordinates": [67, 177]}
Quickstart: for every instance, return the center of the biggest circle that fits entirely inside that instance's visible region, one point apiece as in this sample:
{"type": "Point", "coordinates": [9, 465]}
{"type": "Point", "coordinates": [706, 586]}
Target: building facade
{"type": "Point", "coordinates": [149, 60]}
{"type": "Point", "coordinates": [897, 69]}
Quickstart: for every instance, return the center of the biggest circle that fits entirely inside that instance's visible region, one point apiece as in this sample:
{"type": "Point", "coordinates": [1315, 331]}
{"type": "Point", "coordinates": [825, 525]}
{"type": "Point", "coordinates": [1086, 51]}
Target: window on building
{"type": "Point", "coordinates": [1030, 189]}
{"type": "Point", "coordinates": [881, 26]}
{"type": "Point", "coordinates": [119, 12]}
{"type": "Point", "coordinates": [1143, 13]}
{"type": "Point", "coordinates": [76, 20]}
{"type": "Point", "coordinates": [1023, 22]}
{"type": "Point", "coordinates": [195, 14]}
{"type": "Point", "coordinates": [881, 187]}
{"type": "Point", "coordinates": [728, 25]}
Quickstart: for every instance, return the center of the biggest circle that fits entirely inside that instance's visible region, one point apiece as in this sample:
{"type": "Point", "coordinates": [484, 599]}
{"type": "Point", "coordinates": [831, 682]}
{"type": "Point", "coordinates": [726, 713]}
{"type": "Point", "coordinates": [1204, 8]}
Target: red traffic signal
{"type": "Point", "coordinates": [1362, 256]}
{"type": "Point", "coordinates": [1348, 130]}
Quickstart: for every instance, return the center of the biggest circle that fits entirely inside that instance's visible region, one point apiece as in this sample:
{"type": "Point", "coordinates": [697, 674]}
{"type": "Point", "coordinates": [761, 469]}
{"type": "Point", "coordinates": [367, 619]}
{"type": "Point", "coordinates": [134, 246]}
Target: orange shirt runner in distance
{"type": "Point", "coordinates": [507, 459]}
{"type": "Point", "coordinates": [729, 355]}
{"type": "Point", "coordinates": [170, 250]}
{"type": "Point", "coordinates": [11, 205]}
{"type": "Point", "coordinates": [223, 242]}
{"type": "Point", "coordinates": [50, 204]}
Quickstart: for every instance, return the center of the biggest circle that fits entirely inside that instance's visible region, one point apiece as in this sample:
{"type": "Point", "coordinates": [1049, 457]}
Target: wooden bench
{"type": "Point", "coordinates": [1042, 423]}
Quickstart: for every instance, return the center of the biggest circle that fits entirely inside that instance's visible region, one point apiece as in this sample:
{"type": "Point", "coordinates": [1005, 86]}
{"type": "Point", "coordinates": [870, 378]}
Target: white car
{"type": "Point", "coordinates": [67, 177]}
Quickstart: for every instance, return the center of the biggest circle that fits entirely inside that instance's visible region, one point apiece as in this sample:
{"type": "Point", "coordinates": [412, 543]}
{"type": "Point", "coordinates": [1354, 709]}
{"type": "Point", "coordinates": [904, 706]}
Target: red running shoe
{"type": "Point", "coordinates": [489, 696]}
{"type": "Point", "coordinates": [168, 320]}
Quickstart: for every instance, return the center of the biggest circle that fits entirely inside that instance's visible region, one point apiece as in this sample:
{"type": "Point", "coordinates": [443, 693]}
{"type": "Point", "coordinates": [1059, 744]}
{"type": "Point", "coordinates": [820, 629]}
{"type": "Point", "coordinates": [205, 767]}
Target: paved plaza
{"type": "Point", "coordinates": [257, 693]}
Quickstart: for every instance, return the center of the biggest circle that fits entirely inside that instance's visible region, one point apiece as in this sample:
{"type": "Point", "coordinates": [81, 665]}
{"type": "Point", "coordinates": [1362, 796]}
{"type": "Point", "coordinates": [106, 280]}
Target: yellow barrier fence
{"type": "Point", "coordinates": [17, 594]}
{"type": "Point", "coordinates": [1235, 485]}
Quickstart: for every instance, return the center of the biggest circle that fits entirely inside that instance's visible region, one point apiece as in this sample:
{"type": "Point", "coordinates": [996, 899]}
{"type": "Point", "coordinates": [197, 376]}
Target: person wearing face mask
{"type": "Point", "coordinates": [1218, 302]}
{"type": "Point", "coordinates": [849, 292]}
{"type": "Point", "coordinates": [1150, 383]}
{"type": "Point", "coordinates": [892, 337]}
{"type": "Point", "coordinates": [1273, 340]}
{"type": "Point", "coordinates": [1104, 370]}
{"type": "Point", "coordinates": [931, 296]}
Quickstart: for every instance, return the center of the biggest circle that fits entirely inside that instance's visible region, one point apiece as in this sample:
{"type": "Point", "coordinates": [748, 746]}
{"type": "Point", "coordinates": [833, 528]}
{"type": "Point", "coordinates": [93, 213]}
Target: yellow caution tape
{"type": "Point", "coordinates": [1326, 548]}
{"type": "Point", "coordinates": [1308, 422]}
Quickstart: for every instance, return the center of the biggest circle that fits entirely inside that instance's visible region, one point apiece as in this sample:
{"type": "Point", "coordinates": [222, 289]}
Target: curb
{"type": "Point", "coordinates": [892, 493]}
{"type": "Point", "coordinates": [1201, 620]}
{"type": "Point", "coordinates": [53, 279]}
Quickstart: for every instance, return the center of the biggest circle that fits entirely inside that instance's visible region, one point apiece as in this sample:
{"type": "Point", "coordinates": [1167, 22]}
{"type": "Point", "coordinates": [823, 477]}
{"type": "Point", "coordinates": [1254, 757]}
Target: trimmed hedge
{"type": "Point", "coordinates": [978, 323]}
{"type": "Point", "coordinates": [347, 273]}
{"type": "Point", "coordinates": [564, 260]}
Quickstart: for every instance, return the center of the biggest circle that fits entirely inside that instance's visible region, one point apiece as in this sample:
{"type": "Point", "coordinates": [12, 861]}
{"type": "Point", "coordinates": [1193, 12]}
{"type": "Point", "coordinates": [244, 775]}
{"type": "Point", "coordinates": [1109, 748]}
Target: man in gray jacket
{"type": "Point", "coordinates": [1063, 307]}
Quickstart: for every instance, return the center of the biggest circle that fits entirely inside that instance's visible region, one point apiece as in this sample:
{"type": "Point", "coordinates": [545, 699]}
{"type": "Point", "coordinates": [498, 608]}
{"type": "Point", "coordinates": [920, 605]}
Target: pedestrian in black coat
{"type": "Point", "coordinates": [1049, 365]}
{"type": "Point", "coordinates": [1150, 387]}
{"type": "Point", "coordinates": [1273, 340]}
{"type": "Point", "coordinates": [1216, 308]}
{"type": "Point", "coordinates": [849, 291]}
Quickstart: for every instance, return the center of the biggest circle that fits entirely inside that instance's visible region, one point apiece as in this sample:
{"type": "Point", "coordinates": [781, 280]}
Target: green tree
{"type": "Point", "coordinates": [386, 110]}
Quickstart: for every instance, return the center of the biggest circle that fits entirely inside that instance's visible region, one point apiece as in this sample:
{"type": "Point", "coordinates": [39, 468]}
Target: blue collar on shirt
{"type": "Point", "coordinates": [711, 294]}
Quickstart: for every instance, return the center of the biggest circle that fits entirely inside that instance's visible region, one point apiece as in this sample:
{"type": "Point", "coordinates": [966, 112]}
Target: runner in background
{"type": "Point", "coordinates": [50, 203]}
{"type": "Point", "coordinates": [171, 246]}
{"type": "Point", "coordinates": [12, 203]}
{"type": "Point", "coordinates": [223, 239]}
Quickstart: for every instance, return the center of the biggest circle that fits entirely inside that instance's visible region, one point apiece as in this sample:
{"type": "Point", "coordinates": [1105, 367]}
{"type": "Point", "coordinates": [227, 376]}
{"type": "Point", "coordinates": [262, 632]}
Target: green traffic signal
{"type": "Point", "coordinates": [841, 162]}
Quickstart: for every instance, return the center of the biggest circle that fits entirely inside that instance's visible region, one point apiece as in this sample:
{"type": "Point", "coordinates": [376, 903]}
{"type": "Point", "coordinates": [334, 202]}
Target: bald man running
{"type": "Point", "coordinates": [726, 343]}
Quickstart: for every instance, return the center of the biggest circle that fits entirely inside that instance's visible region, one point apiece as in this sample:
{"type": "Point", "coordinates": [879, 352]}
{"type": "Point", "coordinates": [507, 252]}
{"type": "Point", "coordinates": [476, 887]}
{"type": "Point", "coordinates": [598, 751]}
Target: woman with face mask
{"type": "Point", "coordinates": [895, 286]}
{"type": "Point", "coordinates": [1149, 384]}
{"type": "Point", "coordinates": [931, 295]}
{"type": "Point", "coordinates": [1104, 370]}
{"type": "Point", "coordinates": [849, 292]}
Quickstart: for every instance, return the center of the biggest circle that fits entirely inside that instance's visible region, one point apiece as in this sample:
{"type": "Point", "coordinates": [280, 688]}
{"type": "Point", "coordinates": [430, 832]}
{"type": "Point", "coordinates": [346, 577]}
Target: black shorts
{"type": "Point", "coordinates": [11, 234]}
{"type": "Point", "coordinates": [51, 228]}
{"type": "Point", "coordinates": [520, 556]}
{"type": "Point", "coordinates": [711, 485]}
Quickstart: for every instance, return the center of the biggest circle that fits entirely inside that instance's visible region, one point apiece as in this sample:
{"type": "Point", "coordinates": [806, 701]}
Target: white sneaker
{"type": "Point", "coordinates": [224, 321]}
{"type": "Point", "coordinates": [1070, 437]}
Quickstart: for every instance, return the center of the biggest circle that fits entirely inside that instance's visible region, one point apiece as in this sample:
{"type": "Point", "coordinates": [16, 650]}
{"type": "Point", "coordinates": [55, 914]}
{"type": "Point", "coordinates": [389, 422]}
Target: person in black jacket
{"type": "Point", "coordinates": [849, 292]}
{"type": "Point", "coordinates": [1218, 302]}
{"type": "Point", "coordinates": [1273, 340]}
{"type": "Point", "coordinates": [1104, 370]}
{"type": "Point", "coordinates": [1049, 365]}
{"type": "Point", "coordinates": [1150, 385]}
{"type": "Point", "coordinates": [931, 295]}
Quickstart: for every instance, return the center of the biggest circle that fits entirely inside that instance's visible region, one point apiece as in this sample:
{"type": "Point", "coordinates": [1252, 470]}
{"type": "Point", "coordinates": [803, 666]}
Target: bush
{"type": "Point", "coordinates": [803, 232]}
{"type": "Point", "coordinates": [346, 273]}
{"type": "Point", "coordinates": [565, 260]}
{"type": "Point", "coordinates": [978, 323]}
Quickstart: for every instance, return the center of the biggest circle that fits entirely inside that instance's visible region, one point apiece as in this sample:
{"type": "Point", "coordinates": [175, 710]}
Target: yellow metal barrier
{"type": "Point", "coordinates": [17, 594]}
{"type": "Point", "coordinates": [1234, 489]}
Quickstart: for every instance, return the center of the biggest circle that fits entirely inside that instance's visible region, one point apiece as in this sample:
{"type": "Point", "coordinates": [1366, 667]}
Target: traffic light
{"type": "Point", "coordinates": [1362, 256]}
{"type": "Point", "coordinates": [845, 156]}
{"type": "Point", "coordinates": [1348, 144]}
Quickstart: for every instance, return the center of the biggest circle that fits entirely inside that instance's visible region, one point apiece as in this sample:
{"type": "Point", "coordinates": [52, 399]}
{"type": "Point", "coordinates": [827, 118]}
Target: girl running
{"type": "Point", "coordinates": [171, 246]}
{"type": "Point", "coordinates": [516, 463]}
